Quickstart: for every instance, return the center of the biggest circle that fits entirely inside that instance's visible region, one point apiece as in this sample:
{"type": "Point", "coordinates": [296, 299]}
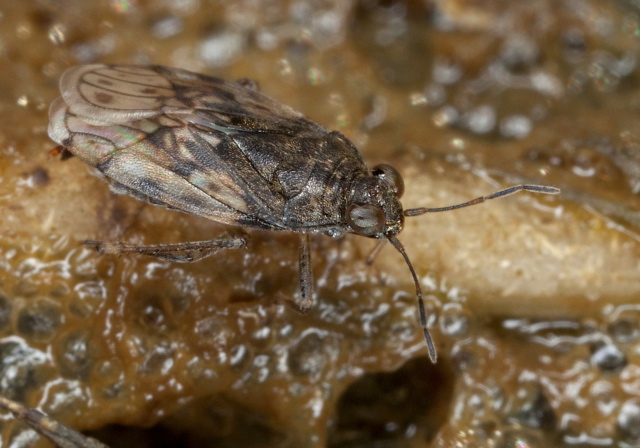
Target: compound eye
{"type": "Point", "coordinates": [391, 176]}
{"type": "Point", "coordinates": [365, 220]}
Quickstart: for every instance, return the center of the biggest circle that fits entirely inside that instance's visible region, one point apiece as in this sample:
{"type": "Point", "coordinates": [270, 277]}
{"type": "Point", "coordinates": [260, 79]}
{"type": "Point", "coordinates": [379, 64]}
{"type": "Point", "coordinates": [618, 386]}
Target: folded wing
{"type": "Point", "coordinates": [187, 141]}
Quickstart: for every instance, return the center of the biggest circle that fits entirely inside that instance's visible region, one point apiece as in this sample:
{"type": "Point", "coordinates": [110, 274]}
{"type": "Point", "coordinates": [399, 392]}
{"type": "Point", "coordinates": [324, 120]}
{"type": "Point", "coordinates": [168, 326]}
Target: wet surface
{"type": "Point", "coordinates": [533, 301]}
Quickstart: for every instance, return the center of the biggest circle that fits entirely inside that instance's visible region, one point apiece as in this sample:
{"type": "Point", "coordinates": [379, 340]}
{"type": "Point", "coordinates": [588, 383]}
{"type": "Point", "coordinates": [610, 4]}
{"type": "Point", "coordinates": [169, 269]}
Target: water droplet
{"type": "Point", "coordinates": [158, 361]}
{"type": "Point", "coordinates": [464, 359]}
{"type": "Point", "coordinates": [19, 368]}
{"type": "Point", "coordinates": [574, 40]}
{"type": "Point", "coordinates": [85, 51]}
{"type": "Point", "coordinates": [306, 358]}
{"type": "Point", "coordinates": [629, 421]}
{"type": "Point", "coordinates": [261, 361]}
{"type": "Point", "coordinates": [39, 320]}
{"type": "Point", "coordinates": [402, 330]}
{"type": "Point", "coordinates": [519, 50]}
{"type": "Point", "coordinates": [153, 317]}
{"type": "Point", "coordinates": [515, 126]}
{"type": "Point", "coordinates": [457, 144]}
{"type": "Point", "coordinates": [57, 33]}
{"type": "Point", "coordinates": [266, 40]}
{"type": "Point", "coordinates": [417, 99]}
{"type": "Point", "coordinates": [315, 76]}
{"type": "Point", "coordinates": [23, 101]}
{"type": "Point", "coordinates": [455, 321]}
{"type": "Point", "coordinates": [446, 116]}
{"type": "Point", "coordinates": [72, 356]}
{"type": "Point", "coordinates": [604, 397]}
{"type": "Point", "coordinates": [583, 171]}
{"type": "Point", "coordinates": [547, 84]}
{"type": "Point", "coordinates": [109, 369]}
{"type": "Point", "coordinates": [262, 334]}
{"type": "Point", "coordinates": [221, 48]}
{"type": "Point", "coordinates": [168, 27]}
{"type": "Point", "coordinates": [435, 94]}
{"type": "Point", "coordinates": [213, 329]}
{"type": "Point", "coordinates": [624, 329]}
{"type": "Point", "coordinates": [239, 357]}
{"type": "Point", "coordinates": [480, 120]}
{"type": "Point", "coordinates": [608, 358]}
{"type": "Point", "coordinates": [536, 411]}
{"type": "Point", "coordinates": [446, 73]}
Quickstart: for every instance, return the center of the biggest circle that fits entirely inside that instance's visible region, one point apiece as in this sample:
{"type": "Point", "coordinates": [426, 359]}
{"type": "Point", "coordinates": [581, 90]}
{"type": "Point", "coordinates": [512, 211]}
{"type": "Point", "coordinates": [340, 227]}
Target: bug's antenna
{"type": "Point", "coordinates": [423, 316]}
{"type": "Point", "coordinates": [498, 194]}
{"type": "Point", "coordinates": [375, 251]}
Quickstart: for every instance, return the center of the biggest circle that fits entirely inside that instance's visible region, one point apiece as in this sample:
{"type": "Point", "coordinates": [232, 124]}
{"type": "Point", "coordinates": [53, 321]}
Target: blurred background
{"type": "Point", "coordinates": [533, 301]}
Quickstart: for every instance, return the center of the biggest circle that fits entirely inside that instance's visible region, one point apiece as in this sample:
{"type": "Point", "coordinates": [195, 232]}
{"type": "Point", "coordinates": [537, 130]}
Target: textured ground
{"type": "Point", "coordinates": [533, 300]}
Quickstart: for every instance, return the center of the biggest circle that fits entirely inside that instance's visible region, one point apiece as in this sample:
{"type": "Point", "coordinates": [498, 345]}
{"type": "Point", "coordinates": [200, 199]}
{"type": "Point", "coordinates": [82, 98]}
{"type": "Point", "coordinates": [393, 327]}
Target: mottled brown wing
{"type": "Point", "coordinates": [180, 140]}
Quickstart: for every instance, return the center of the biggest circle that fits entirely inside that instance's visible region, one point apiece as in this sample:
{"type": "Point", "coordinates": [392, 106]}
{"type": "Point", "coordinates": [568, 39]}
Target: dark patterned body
{"type": "Point", "coordinates": [208, 147]}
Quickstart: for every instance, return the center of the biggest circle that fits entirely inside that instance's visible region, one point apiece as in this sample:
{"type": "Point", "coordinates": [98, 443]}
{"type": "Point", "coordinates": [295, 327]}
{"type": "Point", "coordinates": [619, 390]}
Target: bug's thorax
{"type": "Point", "coordinates": [374, 209]}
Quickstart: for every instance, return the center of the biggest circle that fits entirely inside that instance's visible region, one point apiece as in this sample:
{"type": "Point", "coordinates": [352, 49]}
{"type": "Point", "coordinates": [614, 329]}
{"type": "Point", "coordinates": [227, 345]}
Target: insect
{"type": "Point", "coordinates": [224, 151]}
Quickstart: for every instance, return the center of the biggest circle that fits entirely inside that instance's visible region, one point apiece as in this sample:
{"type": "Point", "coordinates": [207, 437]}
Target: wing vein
{"type": "Point", "coordinates": [120, 92]}
{"type": "Point", "coordinates": [102, 74]}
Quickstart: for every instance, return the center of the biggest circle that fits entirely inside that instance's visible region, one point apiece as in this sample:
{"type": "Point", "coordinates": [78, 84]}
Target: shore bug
{"type": "Point", "coordinates": [224, 151]}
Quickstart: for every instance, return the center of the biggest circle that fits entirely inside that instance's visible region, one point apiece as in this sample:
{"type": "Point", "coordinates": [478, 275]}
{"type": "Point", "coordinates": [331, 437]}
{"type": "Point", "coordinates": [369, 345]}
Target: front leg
{"type": "Point", "coordinates": [305, 302]}
{"type": "Point", "coordinates": [181, 252]}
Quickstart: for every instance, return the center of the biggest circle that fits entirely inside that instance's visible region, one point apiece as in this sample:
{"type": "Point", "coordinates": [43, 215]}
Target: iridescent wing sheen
{"type": "Point", "coordinates": [191, 142]}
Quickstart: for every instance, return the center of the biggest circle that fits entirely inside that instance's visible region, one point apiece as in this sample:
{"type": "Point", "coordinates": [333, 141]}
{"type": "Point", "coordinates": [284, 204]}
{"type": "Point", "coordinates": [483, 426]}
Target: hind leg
{"type": "Point", "coordinates": [181, 252]}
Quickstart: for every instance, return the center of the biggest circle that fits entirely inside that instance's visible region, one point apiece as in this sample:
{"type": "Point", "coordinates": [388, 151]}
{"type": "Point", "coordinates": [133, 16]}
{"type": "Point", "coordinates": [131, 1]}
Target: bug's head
{"type": "Point", "coordinates": [375, 209]}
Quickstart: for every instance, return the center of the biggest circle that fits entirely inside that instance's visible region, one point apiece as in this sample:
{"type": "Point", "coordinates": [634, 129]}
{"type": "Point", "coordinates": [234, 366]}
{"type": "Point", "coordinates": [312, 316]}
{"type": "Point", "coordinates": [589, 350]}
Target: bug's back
{"type": "Point", "coordinates": [205, 146]}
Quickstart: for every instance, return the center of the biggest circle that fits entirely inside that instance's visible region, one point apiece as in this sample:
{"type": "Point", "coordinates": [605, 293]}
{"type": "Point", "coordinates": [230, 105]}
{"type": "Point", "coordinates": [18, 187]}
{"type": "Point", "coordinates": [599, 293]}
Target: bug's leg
{"type": "Point", "coordinates": [375, 251]}
{"type": "Point", "coordinates": [305, 302]}
{"type": "Point", "coordinates": [61, 151]}
{"type": "Point", "coordinates": [181, 252]}
{"type": "Point", "coordinates": [58, 433]}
